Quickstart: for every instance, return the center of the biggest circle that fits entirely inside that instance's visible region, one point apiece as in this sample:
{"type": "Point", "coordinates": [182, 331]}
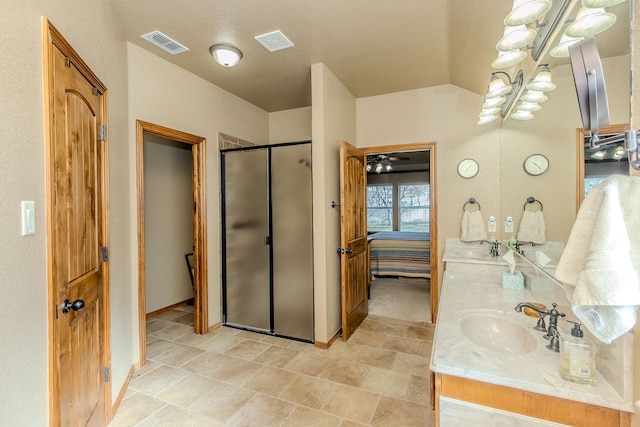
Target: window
{"type": "Point", "coordinates": [413, 207]}
{"type": "Point", "coordinates": [380, 207]}
{"type": "Point", "coordinates": [402, 207]}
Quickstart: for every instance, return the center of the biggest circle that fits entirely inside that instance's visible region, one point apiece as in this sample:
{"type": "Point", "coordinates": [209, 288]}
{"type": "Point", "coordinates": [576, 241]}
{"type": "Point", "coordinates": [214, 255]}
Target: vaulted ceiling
{"type": "Point", "coordinates": [372, 46]}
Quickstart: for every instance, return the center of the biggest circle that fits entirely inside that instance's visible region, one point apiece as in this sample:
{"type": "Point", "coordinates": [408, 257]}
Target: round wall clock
{"type": "Point", "coordinates": [468, 168]}
{"type": "Point", "coordinates": [536, 164]}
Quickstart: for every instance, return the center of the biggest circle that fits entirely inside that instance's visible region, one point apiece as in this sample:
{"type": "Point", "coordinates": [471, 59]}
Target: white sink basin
{"type": "Point", "coordinates": [498, 334]}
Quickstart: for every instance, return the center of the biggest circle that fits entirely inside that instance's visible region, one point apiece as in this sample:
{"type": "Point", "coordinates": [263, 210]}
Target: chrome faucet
{"type": "Point", "coordinates": [494, 247]}
{"type": "Point", "coordinates": [552, 331]}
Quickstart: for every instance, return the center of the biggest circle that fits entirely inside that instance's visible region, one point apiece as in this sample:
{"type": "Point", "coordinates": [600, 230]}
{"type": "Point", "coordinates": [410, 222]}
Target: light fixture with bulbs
{"type": "Point", "coordinates": [378, 165]}
{"type": "Point", "coordinates": [226, 55]}
{"type": "Point", "coordinates": [500, 96]}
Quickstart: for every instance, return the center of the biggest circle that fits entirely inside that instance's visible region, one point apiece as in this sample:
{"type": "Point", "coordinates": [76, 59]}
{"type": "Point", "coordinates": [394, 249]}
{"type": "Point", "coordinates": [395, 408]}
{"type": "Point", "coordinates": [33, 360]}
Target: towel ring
{"type": "Point", "coordinates": [532, 200]}
{"type": "Point", "coordinates": [472, 201]}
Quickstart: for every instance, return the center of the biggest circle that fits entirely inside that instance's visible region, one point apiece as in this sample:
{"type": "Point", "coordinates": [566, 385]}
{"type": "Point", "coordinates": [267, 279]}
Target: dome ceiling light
{"type": "Point", "coordinates": [225, 55]}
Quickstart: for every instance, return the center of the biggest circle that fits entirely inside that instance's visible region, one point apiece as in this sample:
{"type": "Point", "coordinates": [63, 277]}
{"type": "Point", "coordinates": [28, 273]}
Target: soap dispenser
{"type": "Point", "coordinates": [577, 357]}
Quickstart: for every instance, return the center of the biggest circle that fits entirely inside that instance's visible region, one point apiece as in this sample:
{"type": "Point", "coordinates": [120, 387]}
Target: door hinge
{"type": "Point", "coordinates": [67, 61]}
{"type": "Point", "coordinates": [56, 311]}
{"type": "Point", "coordinates": [102, 132]}
{"type": "Point", "coordinates": [107, 374]}
{"type": "Point", "coordinates": [95, 91]}
{"type": "Point", "coordinates": [105, 253]}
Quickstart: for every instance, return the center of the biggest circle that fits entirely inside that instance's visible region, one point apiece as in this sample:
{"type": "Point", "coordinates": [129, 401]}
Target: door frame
{"type": "Point", "coordinates": [580, 135]}
{"type": "Point", "coordinates": [200, 282]}
{"type": "Point", "coordinates": [433, 209]}
{"type": "Point", "coordinates": [52, 37]}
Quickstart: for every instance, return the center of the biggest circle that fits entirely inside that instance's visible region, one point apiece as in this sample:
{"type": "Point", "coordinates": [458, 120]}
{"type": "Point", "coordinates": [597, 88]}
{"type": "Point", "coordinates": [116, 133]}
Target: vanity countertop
{"type": "Point", "coordinates": [478, 253]}
{"type": "Point", "coordinates": [465, 295]}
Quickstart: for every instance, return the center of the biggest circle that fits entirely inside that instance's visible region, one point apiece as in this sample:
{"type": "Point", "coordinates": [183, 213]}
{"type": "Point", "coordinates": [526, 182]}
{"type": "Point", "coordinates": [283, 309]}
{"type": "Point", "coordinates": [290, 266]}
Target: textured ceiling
{"type": "Point", "coordinates": [372, 46]}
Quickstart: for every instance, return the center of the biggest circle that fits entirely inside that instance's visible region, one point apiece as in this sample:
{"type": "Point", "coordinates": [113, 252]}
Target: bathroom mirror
{"type": "Point", "coordinates": [553, 133]}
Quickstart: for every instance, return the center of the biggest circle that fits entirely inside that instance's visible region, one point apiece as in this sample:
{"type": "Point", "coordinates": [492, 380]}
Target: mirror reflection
{"type": "Point", "coordinates": [554, 132]}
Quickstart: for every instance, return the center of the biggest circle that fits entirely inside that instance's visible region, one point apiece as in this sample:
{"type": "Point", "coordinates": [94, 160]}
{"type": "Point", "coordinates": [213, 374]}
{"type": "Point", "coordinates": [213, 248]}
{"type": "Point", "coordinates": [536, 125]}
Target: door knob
{"type": "Point", "coordinates": [349, 251]}
{"type": "Point", "coordinates": [75, 306]}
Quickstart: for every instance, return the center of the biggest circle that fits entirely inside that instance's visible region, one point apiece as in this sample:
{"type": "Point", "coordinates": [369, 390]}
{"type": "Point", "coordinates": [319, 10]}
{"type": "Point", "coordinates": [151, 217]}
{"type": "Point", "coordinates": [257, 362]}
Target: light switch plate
{"type": "Point", "coordinates": [28, 218]}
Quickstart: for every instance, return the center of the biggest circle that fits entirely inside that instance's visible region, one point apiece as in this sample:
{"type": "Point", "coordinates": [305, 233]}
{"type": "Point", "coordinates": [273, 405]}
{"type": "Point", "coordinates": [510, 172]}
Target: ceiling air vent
{"type": "Point", "coordinates": [274, 41]}
{"type": "Point", "coordinates": [165, 42]}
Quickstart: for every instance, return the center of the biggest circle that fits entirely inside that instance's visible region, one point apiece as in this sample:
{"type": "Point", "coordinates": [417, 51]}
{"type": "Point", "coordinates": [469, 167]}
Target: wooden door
{"type": "Point", "coordinates": [353, 238]}
{"type": "Point", "coordinates": [77, 234]}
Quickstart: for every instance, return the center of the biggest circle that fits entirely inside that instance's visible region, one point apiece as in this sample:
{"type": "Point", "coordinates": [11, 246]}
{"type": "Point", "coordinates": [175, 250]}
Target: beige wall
{"type": "Point", "coordinates": [635, 124]}
{"type": "Point", "coordinates": [446, 115]}
{"type": "Point", "coordinates": [334, 118]}
{"type": "Point", "coordinates": [290, 125]}
{"type": "Point", "coordinates": [168, 224]}
{"type": "Point", "coordinates": [193, 105]}
{"type": "Point", "coordinates": [92, 29]}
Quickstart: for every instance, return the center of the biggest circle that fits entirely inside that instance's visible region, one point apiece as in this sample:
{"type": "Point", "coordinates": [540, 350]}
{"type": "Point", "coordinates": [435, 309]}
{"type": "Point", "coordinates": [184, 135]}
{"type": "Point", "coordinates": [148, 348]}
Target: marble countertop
{"type": "Point", "coordinates": [463, 295]}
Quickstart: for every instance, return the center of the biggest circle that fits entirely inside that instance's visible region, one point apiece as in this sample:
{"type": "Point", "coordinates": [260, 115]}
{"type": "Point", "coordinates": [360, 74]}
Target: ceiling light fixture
{"type": "Point", "coordinates": [590, 22]}
{"type": "Point", "coordinates": [225, 55]}
{"type": "Point", "coordinates": [526, 11]}
{"type": "Point", "coordinates": [542, 81]}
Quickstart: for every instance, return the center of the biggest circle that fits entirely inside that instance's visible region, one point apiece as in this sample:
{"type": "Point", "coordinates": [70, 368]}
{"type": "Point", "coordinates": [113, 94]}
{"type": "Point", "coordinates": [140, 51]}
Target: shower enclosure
{"type": "Point", "coordinates": [267, 240]}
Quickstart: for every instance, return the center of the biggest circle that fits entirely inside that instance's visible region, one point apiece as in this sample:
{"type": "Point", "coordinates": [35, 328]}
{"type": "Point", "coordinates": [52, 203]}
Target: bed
{"type": "Point", "coordinates": [400, 253]}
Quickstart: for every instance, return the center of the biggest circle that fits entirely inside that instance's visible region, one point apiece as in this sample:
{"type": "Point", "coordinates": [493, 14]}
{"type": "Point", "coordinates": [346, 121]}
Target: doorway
{"type": "Point", "coordinates": [200, 298]}
{"type": "Point", "coordinates": [412, 280]}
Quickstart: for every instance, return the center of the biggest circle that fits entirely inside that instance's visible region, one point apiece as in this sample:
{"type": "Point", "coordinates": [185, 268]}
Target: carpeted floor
{"type": "Point", "coordinates": [405, 299]}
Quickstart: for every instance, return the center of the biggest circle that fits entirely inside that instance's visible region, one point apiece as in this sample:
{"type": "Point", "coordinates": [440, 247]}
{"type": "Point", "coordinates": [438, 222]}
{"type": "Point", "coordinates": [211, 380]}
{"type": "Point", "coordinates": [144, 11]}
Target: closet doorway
{"type": "Point", "coordinates": [200, 294]}
{"type": "Point", "coordinates": [396, 170]}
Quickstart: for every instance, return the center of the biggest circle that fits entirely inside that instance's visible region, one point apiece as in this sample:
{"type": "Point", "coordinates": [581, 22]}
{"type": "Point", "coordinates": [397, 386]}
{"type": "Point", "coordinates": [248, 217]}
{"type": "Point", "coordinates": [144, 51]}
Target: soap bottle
{"type": "Point", "coordinates": [577, 357]}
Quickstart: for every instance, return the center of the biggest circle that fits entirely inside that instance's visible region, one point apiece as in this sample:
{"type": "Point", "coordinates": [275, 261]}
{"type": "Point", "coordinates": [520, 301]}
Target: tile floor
{"type": "Point", "coordinates": [230, 377]}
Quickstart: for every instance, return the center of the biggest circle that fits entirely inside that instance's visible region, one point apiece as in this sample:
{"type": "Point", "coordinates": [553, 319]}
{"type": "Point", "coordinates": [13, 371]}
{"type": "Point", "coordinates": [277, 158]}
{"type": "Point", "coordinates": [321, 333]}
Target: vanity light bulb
{"type": "Point", "coordinates": [600, 3]}
{"type": "Point", "coordinates": [529, 106]}
{"type": "Point", "coordinates": [507, 59]}
{"type": "Point", "coordinates": [516, 37]}
{"type": "Point", "coordinates": [534, 96]}
{"type": "Point", "coordinates": [590, 22]}
{"type": "Point", "coordinates": [542, 82]}
{"type": "Point", "coordinates": [487, 119]}
{"type": "Point", "coordinates": [522, 115]}
{"type": "Point", "coordinates": [494, 102]}
{"type": "Point", "coordinates": [562, 49]}
{"type": "Point", "coordinates": [489, 111]}
{"type": "Point", "coordinates": [526, 11]}
{"type": "Point", "coordinates": [368, 167]}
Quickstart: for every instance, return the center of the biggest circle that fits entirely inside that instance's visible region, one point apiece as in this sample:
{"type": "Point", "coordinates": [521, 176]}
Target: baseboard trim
{"type": "Point", "coordinates": [326, 345]}
{"type": "Point", "coordinates": [169, 308]}
{"type": "Point", "coordinates": [213, 327]}
{"type": "Point", "coordinates": [123, 390]}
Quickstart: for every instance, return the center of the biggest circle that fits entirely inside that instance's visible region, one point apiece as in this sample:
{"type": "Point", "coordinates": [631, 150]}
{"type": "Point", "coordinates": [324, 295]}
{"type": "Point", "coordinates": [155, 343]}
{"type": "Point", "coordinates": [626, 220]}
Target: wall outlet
{"type": "Point", "coordinates": [508, 225]}
{"type": "Point", "coordinates": [492, 224]}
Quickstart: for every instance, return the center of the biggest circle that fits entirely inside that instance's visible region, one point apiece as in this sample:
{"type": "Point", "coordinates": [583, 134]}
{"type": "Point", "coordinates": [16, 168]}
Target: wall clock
{"type": "Point", "coordinates": [536, 164]}
{"type": "Point", "coordinates": [468, 168]}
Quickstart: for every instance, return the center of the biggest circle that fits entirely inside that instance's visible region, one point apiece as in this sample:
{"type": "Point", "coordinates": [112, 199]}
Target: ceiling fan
{"type": "Point", "coordinates": [380, 162]}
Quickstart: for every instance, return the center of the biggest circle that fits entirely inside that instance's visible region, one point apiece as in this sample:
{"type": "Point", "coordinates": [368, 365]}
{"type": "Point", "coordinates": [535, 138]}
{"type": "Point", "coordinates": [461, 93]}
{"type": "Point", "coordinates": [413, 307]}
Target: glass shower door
{"type": "Point", "coordinates": [246, 249]}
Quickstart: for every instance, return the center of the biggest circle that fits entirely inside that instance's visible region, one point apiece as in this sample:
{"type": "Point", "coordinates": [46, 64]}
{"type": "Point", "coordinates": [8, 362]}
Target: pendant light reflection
{"type": "Point", "coordinates": [534, 96]}
{"type": "Point", "coordinates": [487, 119]}
{"type": "Point", "coordinates": [529, 106]}
{"type": "Point", "coordinates": [494, 102]}
{"type": "Point", "coordinates": [600, 3]}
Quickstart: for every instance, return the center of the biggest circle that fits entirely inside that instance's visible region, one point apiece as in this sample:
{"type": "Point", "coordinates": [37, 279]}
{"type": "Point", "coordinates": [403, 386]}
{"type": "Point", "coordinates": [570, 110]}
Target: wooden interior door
{"type": "Point", "coordinates": [353, 238]}
{"type": "Point", "coordinates": [77, 236]}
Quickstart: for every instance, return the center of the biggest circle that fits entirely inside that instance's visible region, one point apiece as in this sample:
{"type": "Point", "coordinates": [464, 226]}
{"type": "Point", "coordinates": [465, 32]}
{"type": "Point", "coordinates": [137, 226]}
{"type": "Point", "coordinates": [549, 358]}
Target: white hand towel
{"type": "Point", "coordinates": [601, 261]}
{"type": "Point", "coordinates": [472, 227]}
{"type": "Point", "coordinates": [532, 228]}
